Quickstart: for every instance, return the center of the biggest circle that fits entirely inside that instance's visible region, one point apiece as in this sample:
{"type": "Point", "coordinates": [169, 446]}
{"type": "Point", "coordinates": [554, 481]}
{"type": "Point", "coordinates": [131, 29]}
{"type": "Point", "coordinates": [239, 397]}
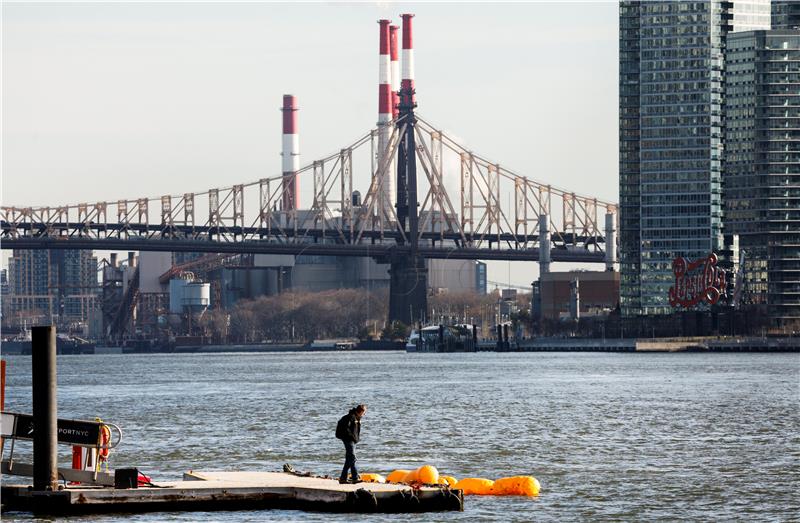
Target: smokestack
{"type": "Point", "coordinates": [384, 113]}
{"type": "Point", "coordinates": [393, 54]}
{"type": "Point", "coordinates": [384, 75]}
{"type": "Point", "coordinates": [290, 153]}
{"type": "Point", "coordinates": [407, 84]}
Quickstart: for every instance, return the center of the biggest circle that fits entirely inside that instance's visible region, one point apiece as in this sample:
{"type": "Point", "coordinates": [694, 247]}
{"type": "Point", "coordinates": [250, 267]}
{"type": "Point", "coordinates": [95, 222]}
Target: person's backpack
{"type": "Point", "coordinates": [341, 427]}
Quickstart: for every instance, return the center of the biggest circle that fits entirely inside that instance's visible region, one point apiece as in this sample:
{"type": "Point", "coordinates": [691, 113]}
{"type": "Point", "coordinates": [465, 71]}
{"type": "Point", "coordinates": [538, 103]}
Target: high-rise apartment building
{"type": "Point", "coordinates": [785, 14]}
{"type": "Point", "coordinates": [57, 286]}
{"type": "Point", "coordinates": [671, 137]}
{"type": "Point", "coordinates": [4, 289]}
{"type": "Point", "coordinates": [762, 166]}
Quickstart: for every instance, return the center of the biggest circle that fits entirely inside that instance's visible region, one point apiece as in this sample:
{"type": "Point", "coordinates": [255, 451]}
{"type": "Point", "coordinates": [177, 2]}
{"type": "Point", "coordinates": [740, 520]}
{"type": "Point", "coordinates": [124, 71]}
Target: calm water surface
{"type": "Point", "coordinates": [609, 436]}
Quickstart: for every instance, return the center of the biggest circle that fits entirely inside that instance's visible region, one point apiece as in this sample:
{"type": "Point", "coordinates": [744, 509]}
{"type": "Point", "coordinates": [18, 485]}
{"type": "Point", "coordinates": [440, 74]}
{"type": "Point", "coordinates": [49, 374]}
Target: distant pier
{"type": "Point", "coordinates": [698, 344]}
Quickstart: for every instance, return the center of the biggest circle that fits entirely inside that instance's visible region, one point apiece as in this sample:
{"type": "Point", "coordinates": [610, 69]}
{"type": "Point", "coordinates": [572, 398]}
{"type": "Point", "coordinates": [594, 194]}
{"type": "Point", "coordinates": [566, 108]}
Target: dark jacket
{"type": "Point", "coordinates": [349, 427]}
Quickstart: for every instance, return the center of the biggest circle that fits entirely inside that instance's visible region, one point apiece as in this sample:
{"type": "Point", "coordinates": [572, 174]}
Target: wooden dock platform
{"type": "Point", "coordinates": [234, 491]}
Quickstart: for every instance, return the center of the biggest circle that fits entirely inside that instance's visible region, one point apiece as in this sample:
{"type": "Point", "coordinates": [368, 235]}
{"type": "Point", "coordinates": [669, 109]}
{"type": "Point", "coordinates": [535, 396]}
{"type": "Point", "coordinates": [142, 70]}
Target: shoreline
{"type": "Point", "coordinates": [641, 345]}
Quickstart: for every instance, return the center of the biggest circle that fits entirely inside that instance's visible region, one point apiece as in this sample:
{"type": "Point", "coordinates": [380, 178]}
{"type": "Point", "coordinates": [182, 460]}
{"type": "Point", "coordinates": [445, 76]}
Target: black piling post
{"type": "Point", "coordinates": [45, 437]}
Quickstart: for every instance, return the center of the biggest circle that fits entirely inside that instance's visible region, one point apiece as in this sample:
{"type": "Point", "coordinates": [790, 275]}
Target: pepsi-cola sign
{"type": "Point", "coordinates": [696, 281]}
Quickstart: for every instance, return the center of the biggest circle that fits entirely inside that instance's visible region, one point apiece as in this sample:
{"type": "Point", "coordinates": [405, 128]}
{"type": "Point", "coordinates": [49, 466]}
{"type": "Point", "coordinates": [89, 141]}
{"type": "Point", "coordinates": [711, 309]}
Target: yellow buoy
{"type": "Point", "coordinates": [475, 486]}
{"type": "Point", "coordinates": [411, 477]}
{"type": "Point", "coordinates": [373, 478]}
{"type": "Point", "coordinates": [517, 486]}
{"type": "Point", "coordinates": [447, 480]}
{"type": "Point", "coordinates": [396, 476]}
{"type": "Point", "coordinates": [428, 474]}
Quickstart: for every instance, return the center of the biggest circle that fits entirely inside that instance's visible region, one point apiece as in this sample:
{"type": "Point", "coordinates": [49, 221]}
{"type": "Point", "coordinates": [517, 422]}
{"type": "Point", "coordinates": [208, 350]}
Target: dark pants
{"type": "Point", "coordinates": [349, 460]}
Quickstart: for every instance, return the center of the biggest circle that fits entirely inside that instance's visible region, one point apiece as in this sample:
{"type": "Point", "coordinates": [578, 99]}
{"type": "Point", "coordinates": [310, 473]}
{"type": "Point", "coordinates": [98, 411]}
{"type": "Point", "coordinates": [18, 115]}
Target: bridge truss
{"type": "Point", "coordinates": [462, 214]}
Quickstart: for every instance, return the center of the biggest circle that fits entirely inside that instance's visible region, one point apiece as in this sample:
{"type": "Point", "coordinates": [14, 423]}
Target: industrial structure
{"type": "Point", "coordinates": [290, 154]}
{"type": "Point", "coordinates": [409, 231]}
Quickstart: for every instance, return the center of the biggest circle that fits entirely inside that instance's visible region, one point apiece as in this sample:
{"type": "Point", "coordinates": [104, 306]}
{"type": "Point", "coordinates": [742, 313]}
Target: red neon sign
{"type": "Point", "coordinates": [700, 280]}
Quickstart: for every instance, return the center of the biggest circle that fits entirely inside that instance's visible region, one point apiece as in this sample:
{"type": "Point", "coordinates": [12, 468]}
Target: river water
{"type": "Point", "coordinates": [609, 436]}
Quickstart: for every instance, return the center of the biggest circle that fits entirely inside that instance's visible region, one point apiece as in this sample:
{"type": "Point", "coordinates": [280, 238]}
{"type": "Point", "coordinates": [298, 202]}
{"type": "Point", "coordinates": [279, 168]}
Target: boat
{"type": "Point", "coordinates": [443, 338]}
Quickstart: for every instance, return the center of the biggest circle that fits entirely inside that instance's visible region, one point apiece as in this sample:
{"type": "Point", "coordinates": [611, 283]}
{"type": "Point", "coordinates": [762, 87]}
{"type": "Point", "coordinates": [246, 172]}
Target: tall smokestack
{"type": "Point", "coordinates": [394, 55]}
{"type": "Point", "coordinates": [384, 75]}
{"type": "Point", "coordinates": [290, 153]}
{"type": "Point", "coordinates": [384, 112]}
{"type": "Point", "coordinates": [407, 83]}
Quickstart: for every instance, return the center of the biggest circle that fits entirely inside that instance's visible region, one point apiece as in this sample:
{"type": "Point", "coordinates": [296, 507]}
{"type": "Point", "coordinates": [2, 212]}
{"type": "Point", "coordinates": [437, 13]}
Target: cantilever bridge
{"type": "Point", "coordinates": [471, 224]}
{"type": "Point", "coordinates": [448, 204]}
{"type": "Point", "coordinates": [544, 223]}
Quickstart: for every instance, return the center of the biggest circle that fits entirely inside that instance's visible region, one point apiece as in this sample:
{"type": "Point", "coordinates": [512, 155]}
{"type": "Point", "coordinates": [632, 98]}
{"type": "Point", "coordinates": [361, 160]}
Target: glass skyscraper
{"type": "Point", "coordinates": [671, 137]}
{"type": "Point", "coordinates": [785, 14]}
{"type": "Point", "coordinates": [762, 166]}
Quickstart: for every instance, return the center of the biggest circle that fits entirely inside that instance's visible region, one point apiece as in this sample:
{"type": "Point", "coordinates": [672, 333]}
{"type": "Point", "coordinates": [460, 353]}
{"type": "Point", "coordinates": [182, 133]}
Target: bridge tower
{"type": "Point", "coordinates": [408, 287]}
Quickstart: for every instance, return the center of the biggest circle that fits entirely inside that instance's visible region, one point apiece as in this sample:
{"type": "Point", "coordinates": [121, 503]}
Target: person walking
{"type": "Point", "coordinates": [349, 431]}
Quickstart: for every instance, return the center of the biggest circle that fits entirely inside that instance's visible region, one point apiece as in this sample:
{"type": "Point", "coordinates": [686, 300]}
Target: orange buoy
{"type": "Point", "coordinates": [373, 478]}
{"type": "Point", "coordinates": [475, 486]}
{"type": "Point", "coordinates": [410, 477]}
{"type": "Point", "coordinates": [517, 486]}
{"type": "Point", "coordinates": [428, 474]}
{"type": "Point", "coordinates": [396, 476]}
{"type": "Point", "coordinates": [447, 480]}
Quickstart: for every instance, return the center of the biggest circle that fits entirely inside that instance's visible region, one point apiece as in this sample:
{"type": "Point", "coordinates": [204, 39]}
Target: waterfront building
{"type": "Point", "coordinates": [762, 166]}
{"type": "Point", "coordinates": [671, 137]}
{"type": "Point", "coordinates": [599, 293]}
{"type": "Point", "coordinates": [58, 286]}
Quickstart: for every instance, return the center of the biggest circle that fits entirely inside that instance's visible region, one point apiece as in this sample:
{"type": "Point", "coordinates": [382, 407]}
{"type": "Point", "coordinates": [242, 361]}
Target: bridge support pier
{"type": "Point", "coordinates": [544, 244]}
{"type": "Point", "coordinates": [408, 289]}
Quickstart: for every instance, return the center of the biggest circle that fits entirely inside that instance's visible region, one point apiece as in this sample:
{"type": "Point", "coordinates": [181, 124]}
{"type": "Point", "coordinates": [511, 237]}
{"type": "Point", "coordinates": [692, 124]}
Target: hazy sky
{"type": "Point", "coordinates": [107, 101]}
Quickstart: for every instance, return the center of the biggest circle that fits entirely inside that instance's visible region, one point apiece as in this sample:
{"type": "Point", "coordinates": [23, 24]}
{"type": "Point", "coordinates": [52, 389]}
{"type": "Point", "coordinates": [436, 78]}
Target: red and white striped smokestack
{"type": "Point", "coordinates": [290, 153]}
{"type": "Point", "coordinates": [386, 183]}
{"type": "Point", "coordinates": [394, 55]}
{"type": "Point", "coordinates": [407, 83]}
{"type": "Point", "coordinates": [384, 75]}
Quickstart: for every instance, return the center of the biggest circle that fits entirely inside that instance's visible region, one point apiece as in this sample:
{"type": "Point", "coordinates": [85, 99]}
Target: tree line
{"type": "Point", "coordinates": [341, 313]}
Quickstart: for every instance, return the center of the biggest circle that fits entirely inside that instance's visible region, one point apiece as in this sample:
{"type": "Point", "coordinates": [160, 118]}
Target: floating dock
{"type": "Point", "coordinates": [234, 491]}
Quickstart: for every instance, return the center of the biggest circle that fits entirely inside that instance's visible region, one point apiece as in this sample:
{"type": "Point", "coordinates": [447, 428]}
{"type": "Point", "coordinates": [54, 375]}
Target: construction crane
{"type": "Point", "coordinates": [205, 264]}
{"type": "Point", "coordinates": [506, 285]}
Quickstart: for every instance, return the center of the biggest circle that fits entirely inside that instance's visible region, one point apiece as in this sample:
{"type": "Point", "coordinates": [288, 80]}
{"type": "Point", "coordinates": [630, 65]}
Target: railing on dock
{"type": "Point", "coordinates": [77, 433]}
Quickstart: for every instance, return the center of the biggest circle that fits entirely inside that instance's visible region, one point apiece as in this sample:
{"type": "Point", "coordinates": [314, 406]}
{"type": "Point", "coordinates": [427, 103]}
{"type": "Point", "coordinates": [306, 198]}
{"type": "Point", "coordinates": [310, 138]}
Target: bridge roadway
{"type": "Point", "coordinates": [320, 242]}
